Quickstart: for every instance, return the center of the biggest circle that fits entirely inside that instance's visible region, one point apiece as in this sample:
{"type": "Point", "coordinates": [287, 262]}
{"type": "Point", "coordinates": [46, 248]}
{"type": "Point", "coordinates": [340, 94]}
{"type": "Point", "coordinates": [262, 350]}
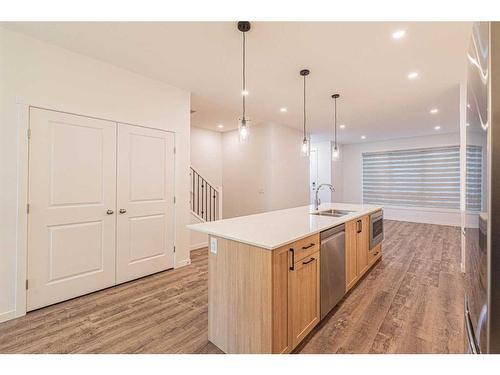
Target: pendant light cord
{"type": "Point", "coordinates": [244, 75]}
{"type": "Point", "coordinates": [304, 107]}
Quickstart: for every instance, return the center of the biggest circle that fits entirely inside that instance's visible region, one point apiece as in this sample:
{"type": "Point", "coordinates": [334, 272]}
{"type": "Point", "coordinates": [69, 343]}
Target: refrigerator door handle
{"type": "Point", "coordinates": [470, 331]}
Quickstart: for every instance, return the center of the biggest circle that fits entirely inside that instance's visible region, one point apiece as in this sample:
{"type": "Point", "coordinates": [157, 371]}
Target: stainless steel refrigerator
{"type": "Point", "coordinates": [482, 193]}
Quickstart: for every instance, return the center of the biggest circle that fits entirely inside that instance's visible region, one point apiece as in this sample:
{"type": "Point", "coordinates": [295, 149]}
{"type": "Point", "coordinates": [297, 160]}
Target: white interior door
{"type": "Point", "coordinates": [145, 202]}
{"type": "Point", "coordinates": [313, 173]}
{"type": "Point", "coordinates": [72, 185]}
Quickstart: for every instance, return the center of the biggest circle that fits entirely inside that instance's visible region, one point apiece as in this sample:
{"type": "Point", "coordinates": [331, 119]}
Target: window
{"type": "Point", "coordinates": [426, 177]}
{"type": "Point", "coordinates": [474, 178]}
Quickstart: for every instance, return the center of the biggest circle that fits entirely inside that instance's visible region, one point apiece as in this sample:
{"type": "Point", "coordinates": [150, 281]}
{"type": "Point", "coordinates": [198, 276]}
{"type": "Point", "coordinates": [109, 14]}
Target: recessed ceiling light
{"type": "Point", "coordinates": [220, 126]}
{"type": "Point", "coordinates": [398, 34]}
{"type": "Point", "coordinates": [342, 126]}
{"type": "Point", "coordinates": [437, 127]}
{"type": "Point", "coordinates": [413, 75]}
{"type": "Point", "coordinates": [283, 109]}
{"type": "Point", "coordinates": [363, 137]}
{"type": "Point", "coordinates": [466, 124]}
{"type": "Point", "coordinates": [244, 92]}
{"type": "Point", "coordinates": [433, 111]}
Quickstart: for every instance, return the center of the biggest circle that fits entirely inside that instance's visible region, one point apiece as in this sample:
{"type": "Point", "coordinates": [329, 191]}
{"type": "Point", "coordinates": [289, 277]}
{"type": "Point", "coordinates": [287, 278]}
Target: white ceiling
{"type": "Point", "coordinates": [359, 60]}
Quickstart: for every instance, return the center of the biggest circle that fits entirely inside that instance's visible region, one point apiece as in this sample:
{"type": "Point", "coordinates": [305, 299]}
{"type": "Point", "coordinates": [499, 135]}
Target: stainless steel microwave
{"type": "Point", "coordinates": [376, 228]}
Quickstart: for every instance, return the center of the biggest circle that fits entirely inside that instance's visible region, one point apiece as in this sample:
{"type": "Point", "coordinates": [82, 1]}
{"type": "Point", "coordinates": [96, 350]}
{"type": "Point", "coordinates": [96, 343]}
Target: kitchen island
{"type": "Point", "coordinates": [264, 273]}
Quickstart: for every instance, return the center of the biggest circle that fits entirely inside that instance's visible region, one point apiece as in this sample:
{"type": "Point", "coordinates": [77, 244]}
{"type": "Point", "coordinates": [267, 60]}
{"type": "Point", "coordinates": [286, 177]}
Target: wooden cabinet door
{"type": "Point", "coordinates": [351, 272]}
{"type": "Point", "coordinates": [304, 297]}
{"type": "Point", "coordinates": [282, 342]}
{"type": "Point", "coordinates": [363, 244]}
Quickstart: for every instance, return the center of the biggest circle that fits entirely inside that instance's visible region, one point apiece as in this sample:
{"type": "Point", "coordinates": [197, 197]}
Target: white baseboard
{"type": "Point", "coordinates": [8, 315]}
{"type": "Point", "coordinates": [422, 216]}
{"type": "Point", "coordinates": [197, 246]}
{"type": "Point", "coordinates": [182, 263]}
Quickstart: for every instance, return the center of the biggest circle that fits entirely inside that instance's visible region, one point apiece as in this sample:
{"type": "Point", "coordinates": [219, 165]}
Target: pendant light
{"type": "Point", "coordinates": [244, 121]}
{"type": "Point", "coordinates": [305, 141]}
{"type": "Point", "coordinates": [335, 150]}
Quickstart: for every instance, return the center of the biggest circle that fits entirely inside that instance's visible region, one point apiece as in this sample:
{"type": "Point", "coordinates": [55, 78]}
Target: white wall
{"type": "Point", "coordinates": [267, 173]}
{"type": "Point", "coordinates": [197, 240]}
{"type": "Point", "coordinates": [245, 176]}
{"type": "Point", "coordinates": [352, 173]}
{"type": "Point", "coordinates": [206, 159]}
{"type": "Point", "coordinates": [36, 73]}
{"type": "Point", "coordinates": [287, 168]}
{"type": "Point", "coordinates": [206, 154]}
{"type": "Point", "coordinates": [329, 171]}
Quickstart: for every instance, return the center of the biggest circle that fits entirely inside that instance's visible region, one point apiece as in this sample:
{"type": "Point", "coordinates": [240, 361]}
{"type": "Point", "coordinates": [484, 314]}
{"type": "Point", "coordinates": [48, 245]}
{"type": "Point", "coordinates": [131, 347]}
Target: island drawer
{"type": "Point", "coordinates": [375, 253]}
{"type": "Point", "coordinates": [305, 247]}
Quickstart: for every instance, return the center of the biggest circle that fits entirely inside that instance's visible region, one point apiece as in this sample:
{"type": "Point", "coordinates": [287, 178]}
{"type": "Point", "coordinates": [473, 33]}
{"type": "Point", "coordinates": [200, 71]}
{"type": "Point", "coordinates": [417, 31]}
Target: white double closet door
{"type": "Point", "coordinates": [100, 205]}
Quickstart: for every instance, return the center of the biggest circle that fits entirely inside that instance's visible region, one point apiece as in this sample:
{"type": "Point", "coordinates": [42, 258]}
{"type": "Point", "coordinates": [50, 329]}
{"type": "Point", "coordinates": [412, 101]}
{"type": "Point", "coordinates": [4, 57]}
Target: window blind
{"type": "Point", "coordinates": [474, 178]}
{"type": "Point", "coordinates": [426, 177]}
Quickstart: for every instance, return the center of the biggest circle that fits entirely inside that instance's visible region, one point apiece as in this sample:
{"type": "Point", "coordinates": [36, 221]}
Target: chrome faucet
{"type": "Point", "coordinates": [317, 201]}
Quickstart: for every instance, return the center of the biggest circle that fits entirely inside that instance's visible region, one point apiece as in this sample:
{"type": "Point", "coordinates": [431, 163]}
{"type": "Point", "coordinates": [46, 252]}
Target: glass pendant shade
{"type": "Point", "coordinates": [244, 129]}
{"type": "Point", "coordinates": [305, 147]}
{"type": "Point", "coordinates": [335, 153]}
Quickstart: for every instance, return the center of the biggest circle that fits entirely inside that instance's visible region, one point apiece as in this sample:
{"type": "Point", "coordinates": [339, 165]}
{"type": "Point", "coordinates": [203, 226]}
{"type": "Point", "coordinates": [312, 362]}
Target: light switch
{"type": "Point", "coordinates": [213, 245]}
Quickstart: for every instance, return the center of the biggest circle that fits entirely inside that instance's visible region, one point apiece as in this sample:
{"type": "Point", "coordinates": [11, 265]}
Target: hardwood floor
{"type": "Point", "coordinates": [410, 302]}
{"type": "Point", "coordinates": [162, 313]}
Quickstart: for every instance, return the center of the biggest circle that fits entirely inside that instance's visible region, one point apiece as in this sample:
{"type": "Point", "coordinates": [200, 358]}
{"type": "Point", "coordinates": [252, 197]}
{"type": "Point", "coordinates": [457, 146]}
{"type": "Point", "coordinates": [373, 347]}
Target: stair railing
{"type": "Point", "coordinates": [205, 198]}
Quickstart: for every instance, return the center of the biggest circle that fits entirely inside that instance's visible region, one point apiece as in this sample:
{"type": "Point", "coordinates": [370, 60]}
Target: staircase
{"type": "Point", "coordinates": [205, 198]}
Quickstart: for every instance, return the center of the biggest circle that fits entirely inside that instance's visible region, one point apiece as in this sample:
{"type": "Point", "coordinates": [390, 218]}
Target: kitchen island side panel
{"type": "Point", "coordinates": [240, 297]}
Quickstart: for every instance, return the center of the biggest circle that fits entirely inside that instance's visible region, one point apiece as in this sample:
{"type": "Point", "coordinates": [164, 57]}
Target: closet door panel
{"type": "Point", "coordinates": [72, 185]}
{"type": "Point", "coordinates": [145, 195]}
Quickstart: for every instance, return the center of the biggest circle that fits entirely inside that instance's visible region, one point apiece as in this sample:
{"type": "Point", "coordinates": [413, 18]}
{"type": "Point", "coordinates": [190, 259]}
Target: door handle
{"type": "Point", "coordinates": [122, 210]}
{"type": "Point", "coordinates": [309, 261]}
{"type": "Point", "coordinates": [470, 334]}
{"type": "Point", "coordinates": [359, 224]}
{"type": "Point", "coordinates": [292, 267]}
{"type": "Point", "coordinates": [110, 212]}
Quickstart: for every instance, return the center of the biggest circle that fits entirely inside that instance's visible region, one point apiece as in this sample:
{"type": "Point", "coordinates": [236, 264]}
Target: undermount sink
{"type": "Point", "coordinates": [332, 212]}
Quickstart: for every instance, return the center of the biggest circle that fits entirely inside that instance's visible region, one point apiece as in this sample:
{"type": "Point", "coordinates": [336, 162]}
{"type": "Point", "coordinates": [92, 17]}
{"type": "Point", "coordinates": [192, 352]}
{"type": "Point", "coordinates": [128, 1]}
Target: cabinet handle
{"type": "Point", "coordinates": [375, 254]}
{"type": "Point", "coordinates": [110, 212]}
{"type": "Point", "coordinates": [122, 210]}
{"type": "Point", "coordinates": [308, 246]}
{"type": "Point", "coordinates": [359, 224]}
{"type": "Point", "coordinates": [309, 261]}
{"type": "Point", "coordinates": [292, 267]}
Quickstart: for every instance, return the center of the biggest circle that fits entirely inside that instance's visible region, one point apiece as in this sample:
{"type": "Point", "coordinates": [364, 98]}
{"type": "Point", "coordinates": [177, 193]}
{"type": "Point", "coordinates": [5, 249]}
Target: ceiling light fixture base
{"type": "Point", "coordinates": [244, 26]}
{"type": "Point", "coordinates": [336, 96]}
{"type": "Point", "coordinates": [304, 72]}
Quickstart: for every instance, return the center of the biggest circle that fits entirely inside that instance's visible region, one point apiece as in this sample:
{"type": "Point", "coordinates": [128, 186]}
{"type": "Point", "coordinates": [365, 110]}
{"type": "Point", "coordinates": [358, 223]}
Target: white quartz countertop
{"type": "Point", "coordinates": [274, 229]}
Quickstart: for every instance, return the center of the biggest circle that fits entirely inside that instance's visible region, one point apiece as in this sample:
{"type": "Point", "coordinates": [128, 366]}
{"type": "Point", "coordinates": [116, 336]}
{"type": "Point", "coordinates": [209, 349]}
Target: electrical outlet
{"type": "Point", "coordinates": [213, 245]}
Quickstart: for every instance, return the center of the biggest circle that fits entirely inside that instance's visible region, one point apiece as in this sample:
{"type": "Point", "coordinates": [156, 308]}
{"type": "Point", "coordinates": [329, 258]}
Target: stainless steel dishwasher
{"type": "Point", "coordinates": [332, 271]}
